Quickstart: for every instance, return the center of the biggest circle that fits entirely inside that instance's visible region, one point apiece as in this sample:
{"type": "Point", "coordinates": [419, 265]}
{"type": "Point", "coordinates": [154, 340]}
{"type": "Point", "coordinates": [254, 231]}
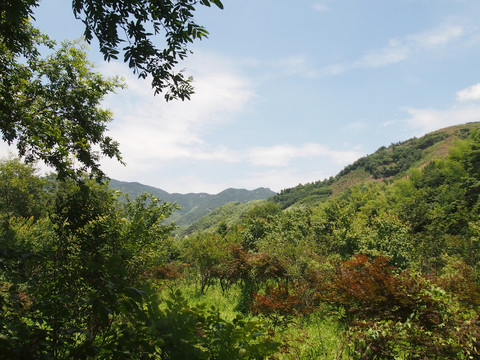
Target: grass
{"type": "Point", "coordinates": [316, 336]}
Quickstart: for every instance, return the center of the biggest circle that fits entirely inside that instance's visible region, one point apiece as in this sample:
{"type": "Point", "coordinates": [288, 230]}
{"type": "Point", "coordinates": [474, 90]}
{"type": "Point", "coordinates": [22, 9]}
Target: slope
{"type": "Point", "coordinates": [386, 164]}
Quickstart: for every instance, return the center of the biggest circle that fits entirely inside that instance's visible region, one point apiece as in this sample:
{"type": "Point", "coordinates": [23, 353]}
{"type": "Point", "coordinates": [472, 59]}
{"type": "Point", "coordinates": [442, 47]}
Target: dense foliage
{"type": "Point", "coordinates": [385, 163]}
{"type": "Point", "coordinates": [396, 262]}
{"type": "Point", "coordinates": [389, 269]}
{"type": "Point", "coordinates": [153, 36]}
{"type": "Point", "coordinates": [50, 106]}
{"type": "Point", "coordinates": [395, 159]}
{"type": "Point", "coordinates": [75, 279]}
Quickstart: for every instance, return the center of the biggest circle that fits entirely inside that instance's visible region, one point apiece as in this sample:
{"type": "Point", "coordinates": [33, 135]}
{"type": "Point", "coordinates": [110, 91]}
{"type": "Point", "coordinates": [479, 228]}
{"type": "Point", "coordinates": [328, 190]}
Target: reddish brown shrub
{"type": "Point", "coordinates": [281, 303]}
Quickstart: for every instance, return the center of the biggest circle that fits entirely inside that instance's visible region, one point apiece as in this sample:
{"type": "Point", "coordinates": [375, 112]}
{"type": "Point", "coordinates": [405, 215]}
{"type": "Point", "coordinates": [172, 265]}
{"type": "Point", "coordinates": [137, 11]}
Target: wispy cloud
{"type": "Point", "coordinates": [294, 65]}
{"type": "Point", "coordinates": [355, 126]}
{"type": "Point", "coordinates": [437, 37]}
{"type": "Point", "coordinates": [320, 6]}
{"type": "Point", "coordinates": [283, 155]}
{"type": "Point", "coordinates": [423, 121]}
{"type": "Point", "coordinates": [396, 51]}
{"type": "Point", "coordinates": [400, 49]}
{"type": "Point", "coordinates": [151, 132]}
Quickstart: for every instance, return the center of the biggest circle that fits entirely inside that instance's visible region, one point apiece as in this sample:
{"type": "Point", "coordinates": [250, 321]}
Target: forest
{"type": "Point", "coordinates": [381, 261]}
{"type": "Point", "coordinates": [385, 268]}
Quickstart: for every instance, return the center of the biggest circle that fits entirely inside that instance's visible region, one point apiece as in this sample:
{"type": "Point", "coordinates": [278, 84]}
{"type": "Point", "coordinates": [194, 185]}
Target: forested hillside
{"type": "Point", "coordinates": [387, 163]}
{"type": "Point", "coordinates": [387, 260]}
{"type": "Point", "coordinates": [381, 261]}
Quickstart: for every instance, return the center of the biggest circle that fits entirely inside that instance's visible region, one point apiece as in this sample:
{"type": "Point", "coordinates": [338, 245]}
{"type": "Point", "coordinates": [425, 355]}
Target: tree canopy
{"type": "Point", "coordinates": [152, 35]}
{"type": "Point", "coordinates": [50, 106]}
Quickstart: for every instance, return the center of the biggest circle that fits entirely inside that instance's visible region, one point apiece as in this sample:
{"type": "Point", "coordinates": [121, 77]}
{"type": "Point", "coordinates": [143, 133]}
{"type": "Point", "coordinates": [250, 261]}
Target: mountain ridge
{"type": "Point", "coordinates": [385, 164]}
{"type": "Point", "coordinates": [193, 205]}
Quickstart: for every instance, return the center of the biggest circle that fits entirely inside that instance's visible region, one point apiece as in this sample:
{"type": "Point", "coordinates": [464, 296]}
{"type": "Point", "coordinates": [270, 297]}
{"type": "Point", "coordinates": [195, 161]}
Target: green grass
{"type": "Point", "coordinates": [317, 336]}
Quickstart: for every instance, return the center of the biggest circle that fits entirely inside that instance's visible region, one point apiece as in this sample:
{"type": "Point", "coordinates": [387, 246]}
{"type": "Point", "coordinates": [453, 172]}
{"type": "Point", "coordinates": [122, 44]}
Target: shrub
{"type": "Point", "coordinates": [401, 315]}
{"type": "Point", "coordinates": [282, 303]}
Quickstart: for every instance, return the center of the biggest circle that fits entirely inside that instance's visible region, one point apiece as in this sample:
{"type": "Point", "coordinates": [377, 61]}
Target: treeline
{"type": "Point", "coordinates": [386, 163]}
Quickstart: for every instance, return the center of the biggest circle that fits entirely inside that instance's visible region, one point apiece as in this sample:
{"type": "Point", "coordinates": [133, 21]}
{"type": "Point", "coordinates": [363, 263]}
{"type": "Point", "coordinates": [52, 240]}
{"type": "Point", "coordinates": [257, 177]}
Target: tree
{"type": "Point", "coordinates": [76, 285]}
{"type": "Point", "coordinates": [392, 315]}
{"type": "Point", "coordinates": [207, 253]}
{"type": "Point", "coordinates": [22, 193]}
{"type": "Point", "coordinates": [72, 283]}
{"type": "Point", "coordinates": [50, 106]}
{"type": "Point", "coordinates": [140, 22]}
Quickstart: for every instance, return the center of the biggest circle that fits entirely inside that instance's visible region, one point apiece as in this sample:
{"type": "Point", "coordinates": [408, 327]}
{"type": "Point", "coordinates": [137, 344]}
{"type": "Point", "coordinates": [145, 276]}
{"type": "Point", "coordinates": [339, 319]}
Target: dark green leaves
{"type": "Point", "coordinates": [49, 108]}
{"type": "Point", "coordinates": [145, 25]}
{"type": "Point", "coordinates": [216, 2]}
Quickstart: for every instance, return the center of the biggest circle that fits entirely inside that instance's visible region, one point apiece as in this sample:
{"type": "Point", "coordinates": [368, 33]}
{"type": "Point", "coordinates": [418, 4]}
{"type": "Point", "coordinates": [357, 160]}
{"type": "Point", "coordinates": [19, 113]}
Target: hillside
{"type": "Point", "coordinates": [203, 211]}
{"type": "Point", "coordinates": [386, 164]}
{"type": "Point", "coordinates": [193, 205]}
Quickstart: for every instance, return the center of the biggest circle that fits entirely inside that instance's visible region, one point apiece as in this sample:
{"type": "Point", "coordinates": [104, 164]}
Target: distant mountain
{"type": "Point", "coordinates": [193, 205]}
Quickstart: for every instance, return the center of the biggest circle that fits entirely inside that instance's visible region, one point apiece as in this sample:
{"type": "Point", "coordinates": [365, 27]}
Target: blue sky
{"type": "Point", "coordinates": [291, 92]}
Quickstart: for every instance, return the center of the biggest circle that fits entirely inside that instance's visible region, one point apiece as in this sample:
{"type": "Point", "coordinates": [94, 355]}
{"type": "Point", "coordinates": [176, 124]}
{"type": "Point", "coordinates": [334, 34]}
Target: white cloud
{"type": "Point", "coordinates": [321, 7]}
{"type": "Point", "coordinates": [470, 93]}
{"type": "Point", "coordinates": [283, 155]}
{"type": "Point", "coordinates": [295, 65]}
{"type": "Point", "coordinates": [151, 132]}
{"type": "Point", "coordinates": [423, 121]}
{"type": "Point", "coordinates": [426, 120]}
{"type": "Point", "coordinates": [400, 49]}
{"type": "Point", "coordinates": [395, 52]}
{"type": "Point", "coordinates": [355, 126]}
{"type": "Point", "coordinates": [437, 37]}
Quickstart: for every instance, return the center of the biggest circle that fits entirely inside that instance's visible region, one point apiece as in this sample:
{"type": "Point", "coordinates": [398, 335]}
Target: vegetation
{"type": "Point", "coordinates": [380, 262]}
{"type": "Point", "coordinates": [77, 280]}
{"type": "Point", "coordinates": [193, 206]}
{"type": "Point", "coordinates": [389, 163]}
{"type": "Point", "coordinates": [381, 270]}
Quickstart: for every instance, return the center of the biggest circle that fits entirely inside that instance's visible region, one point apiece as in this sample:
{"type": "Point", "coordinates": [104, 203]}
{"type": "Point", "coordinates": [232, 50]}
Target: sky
{"type": "Point", "coordinates": [290, 92]}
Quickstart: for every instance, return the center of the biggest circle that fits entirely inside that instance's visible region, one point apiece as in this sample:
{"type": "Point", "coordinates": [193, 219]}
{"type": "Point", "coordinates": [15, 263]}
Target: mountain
{"type": "Point", "coordinates": [193, 205]}
{"type": "Point", "coordinates": [202, 211]}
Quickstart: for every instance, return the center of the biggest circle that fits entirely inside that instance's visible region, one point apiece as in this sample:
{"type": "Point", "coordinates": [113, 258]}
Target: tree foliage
{"type": "Point", "coordinates": [130, 27]}
{"type": "Point", "coordinates": [50, 107]}
{"type": "Point", "coordinates": [22, 193]}
{"type": "Point", "coordinates": [401, 315]}
{"type": "Point", "coordinates": [153, 36]}
{"type": "Point", "coordinates": [76, 282]}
